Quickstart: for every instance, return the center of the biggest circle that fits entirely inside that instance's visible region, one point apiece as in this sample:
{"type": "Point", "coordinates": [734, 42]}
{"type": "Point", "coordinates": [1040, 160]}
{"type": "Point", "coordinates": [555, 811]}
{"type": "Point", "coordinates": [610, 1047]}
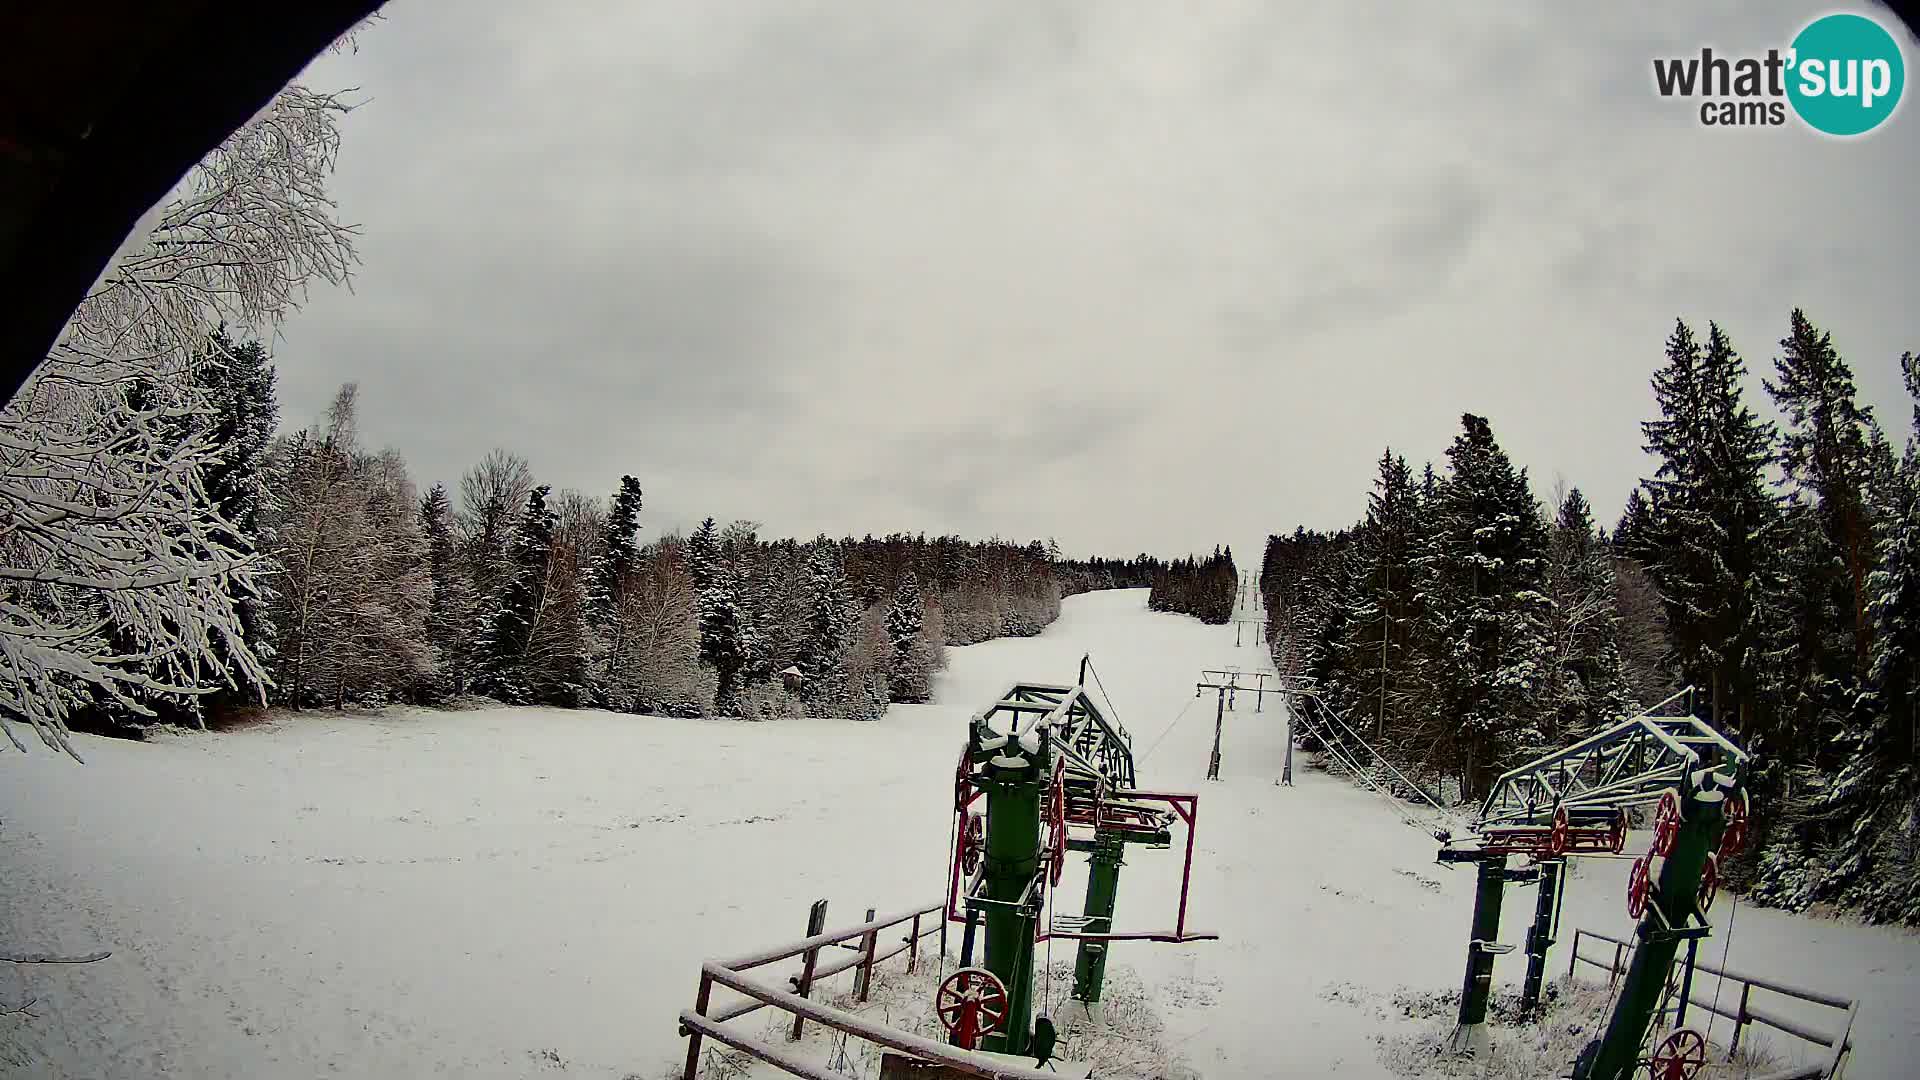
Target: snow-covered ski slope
{"type": "Point", "coordinates": [519, 892]}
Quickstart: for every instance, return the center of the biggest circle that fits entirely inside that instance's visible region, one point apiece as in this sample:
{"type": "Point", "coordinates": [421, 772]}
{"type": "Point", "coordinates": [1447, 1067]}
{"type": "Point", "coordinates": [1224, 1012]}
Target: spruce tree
{"type": "Point", "coordinates": [1824, 454]}
{"type": "Point", "coordinates": [509, 632]}
{"type": "Point", "coordinates": [726, 637]}
{"type": "Point", "coordinates": [906, 618]}
{"type": "Point", "coordinates": [613, 581]}
{"type": "Point", "coordinates": [239, 383]}
{"type": "Point", "coordinates": [1376, 640]}
{"type": "Point", "coordinates": [703, 554]}
{"type": "Point", "coordinates": [822, 652]}
{"type": "Point", "coordinates": [1875, 797]}
{"type": "Point", "coordinates": [620, 545]}
{"type": "Point", "coordinates": [1485, 582]}
{"type": "Point", "coordinates": [533, 649]}
{"type": "Point", "coordinates": [1713, 522]}
{"type": "Point", "coordinates": [1585, 688]}
{"type": "Point", "coordinates": [451, 615]}
{"type": "Point", "coordinates": [1633, 536]}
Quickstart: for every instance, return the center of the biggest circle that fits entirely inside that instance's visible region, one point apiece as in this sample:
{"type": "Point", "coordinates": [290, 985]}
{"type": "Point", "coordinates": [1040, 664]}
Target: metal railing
{"type": "Point", "coordinates": [1743, 1012]}
{"type": "Point", "coordinates": [862, 941]}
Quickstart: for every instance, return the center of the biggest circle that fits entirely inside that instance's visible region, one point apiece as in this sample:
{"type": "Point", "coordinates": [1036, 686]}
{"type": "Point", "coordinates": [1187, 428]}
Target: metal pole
{"type": "Point", "coordinates": [1686, 982]}
{"type": "Point", "coordinates": [966, 937]}
{"type": "Point", "coordinates": [1219, 716]}
{"type": "Point", "coordinates": [1012, 859]}
{"type": "Point", "coordinates": [1103, 885]}
{"type": "Point", "coordinates": [1186, 877]}
{"type": "Point", "coordinates": [1470, 1035]}
{"type": "Point", "coordinates": [1286, 765]}
{"type": "Point", "coordinates": [1386, 624]}
{"type": "Point", "coordinates": [1540, 935]}
{"type": "Point", "coordinates": [1670, 906]}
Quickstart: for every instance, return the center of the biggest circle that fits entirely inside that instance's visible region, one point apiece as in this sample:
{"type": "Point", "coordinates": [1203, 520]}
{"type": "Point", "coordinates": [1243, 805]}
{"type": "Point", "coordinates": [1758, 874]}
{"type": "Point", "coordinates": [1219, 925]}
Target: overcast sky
{"type": "Point", "coordinates": [1135, 276]}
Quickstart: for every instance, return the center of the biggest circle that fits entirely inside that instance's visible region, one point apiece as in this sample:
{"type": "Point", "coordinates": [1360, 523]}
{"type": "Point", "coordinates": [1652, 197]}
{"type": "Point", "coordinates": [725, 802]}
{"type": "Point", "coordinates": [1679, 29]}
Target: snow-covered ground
{"type": "Point", "coordinates": [517, 892]}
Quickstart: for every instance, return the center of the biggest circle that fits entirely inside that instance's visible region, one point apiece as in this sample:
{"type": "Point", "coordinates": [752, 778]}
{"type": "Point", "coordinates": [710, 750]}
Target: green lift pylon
{"type": "Point", "coordinates": [1574, 801]}
{"type": "Point", "coordinates": [1015, 785]}
{"type": "Point", "coordinates": [1470, 1033]}
{"type": "Point", "coordinates": [1108, 851]}
{"type": "Point", "coordinates": [1053, 762]}
{"type": "Point", "coordinates": [1672, 914]}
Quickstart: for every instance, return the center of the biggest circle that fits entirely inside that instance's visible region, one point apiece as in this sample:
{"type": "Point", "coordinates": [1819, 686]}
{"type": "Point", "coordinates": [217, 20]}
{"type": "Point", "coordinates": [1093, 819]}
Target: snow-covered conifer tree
{"type": "Point", "coordinates": [726, 636]}
{"type": "Point", "coordinates": [911, 671]}
{"type": "Point", "coordinates": [1583, 690]}
{"type": "Point", "coordinates": [451, 614]}
{"type": "Point", "coordinates": [822, 653]}
{"type": "Point", "coordinates": [1485, 576]}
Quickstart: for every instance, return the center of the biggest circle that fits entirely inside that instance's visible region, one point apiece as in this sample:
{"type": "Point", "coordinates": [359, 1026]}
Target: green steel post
{"type": "Point", "coordinates": [1671, 906]}
{"type": "Point", "coordinates": [1219, 716]}
{"type": "Point", "coordinates": [1470, 1036]}
{"type": "Point", "coordinates": [1012, 856]}
{"type": "Point", "coordinates": [1103, 886]}
{"type": "Point", "coordinates": [1540, 935]}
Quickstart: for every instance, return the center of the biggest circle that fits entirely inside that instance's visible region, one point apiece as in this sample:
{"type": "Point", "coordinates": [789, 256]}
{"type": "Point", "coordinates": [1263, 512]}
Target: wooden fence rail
{"type": "Point", "coordinates": [1744, 1012]}
{"type": "Point", "coordinates": [864, 953]}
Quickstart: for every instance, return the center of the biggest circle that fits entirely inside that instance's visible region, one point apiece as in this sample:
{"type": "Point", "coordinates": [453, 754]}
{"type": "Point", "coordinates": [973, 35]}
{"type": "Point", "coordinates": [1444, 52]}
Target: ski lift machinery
{"type": "Point", "coordinates": [1045, 772]}
{"type": "Point", "coordinates": [1574, 801]}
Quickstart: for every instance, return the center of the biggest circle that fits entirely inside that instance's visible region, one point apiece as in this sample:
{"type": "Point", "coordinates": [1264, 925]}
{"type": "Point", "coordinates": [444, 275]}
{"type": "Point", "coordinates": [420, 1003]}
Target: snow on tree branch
{"type": "Point", "coordinates": [120, 582]}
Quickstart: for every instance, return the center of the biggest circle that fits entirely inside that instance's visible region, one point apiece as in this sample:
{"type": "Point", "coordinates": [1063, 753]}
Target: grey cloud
{"type": "Point", "coordinates": [1136, 276]}
{"type": "Point", "coordinates": [1400, 252]}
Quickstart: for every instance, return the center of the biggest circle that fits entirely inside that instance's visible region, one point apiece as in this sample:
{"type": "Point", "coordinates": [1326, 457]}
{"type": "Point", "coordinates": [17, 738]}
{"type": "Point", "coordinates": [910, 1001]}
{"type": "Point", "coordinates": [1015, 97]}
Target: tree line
{"type": "Point", "coordinates": [1770, 566]}
{"type": "Point", "coordinates": [372, 592]}
{"type": "Point", "coordinates": [1202, 588]}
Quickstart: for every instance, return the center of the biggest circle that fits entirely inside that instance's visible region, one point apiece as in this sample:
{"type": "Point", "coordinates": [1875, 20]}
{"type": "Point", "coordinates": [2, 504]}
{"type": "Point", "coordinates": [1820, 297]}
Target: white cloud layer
{"type": "Point", "coordinates": [1139, 277]}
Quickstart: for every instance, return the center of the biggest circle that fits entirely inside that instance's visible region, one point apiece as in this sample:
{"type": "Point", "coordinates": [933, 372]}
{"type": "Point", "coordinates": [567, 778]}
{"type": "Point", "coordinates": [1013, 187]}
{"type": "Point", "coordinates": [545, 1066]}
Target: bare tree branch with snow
{"type": "Point", "coordinates": [118, 579]}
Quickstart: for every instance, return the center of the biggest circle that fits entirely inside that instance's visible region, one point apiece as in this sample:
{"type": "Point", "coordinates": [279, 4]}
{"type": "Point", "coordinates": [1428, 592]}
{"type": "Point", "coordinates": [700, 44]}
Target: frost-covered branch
{"type": "Point", "coordinates": [120, 582]}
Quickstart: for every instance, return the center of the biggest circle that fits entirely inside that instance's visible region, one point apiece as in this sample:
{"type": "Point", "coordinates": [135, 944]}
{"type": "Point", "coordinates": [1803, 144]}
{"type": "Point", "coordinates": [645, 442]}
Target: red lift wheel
{"type": "Point", "coordinates": [1734, 837]}
{"type": "Point", "coordinates": [971, 1002]}
{"type": "Point", "coordinates": [962, 782]}
{"type": "Point", "coordinates": [973, 843]}
{"type": "Point", "coordinates": [1709, 882]}
{"type": "Point", "coordinates": [1666, 824]}
{"type": "Point", "coordinates": [1640, 885]}
{"type": "Point", "coordinates": [1617, 833]}
{"type": "Point", "coordinates": [1680, 1057]}
{"type": "Point", "coordinates": [1557, 836]}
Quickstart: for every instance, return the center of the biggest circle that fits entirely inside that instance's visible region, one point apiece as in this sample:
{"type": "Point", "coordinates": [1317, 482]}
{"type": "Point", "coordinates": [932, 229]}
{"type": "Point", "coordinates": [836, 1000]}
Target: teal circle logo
{"type": "Point", "coordinates": [1846, 74]}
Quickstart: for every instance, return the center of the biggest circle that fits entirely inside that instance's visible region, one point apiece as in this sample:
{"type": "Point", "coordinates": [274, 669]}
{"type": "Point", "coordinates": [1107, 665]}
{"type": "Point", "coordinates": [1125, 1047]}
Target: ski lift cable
{"type": "Point", "coordinates": [1345, 758]}
{"type": "Point", "coordinates": [1721, 980]}
{"type": "Point", "coordinates": [953, 842]}
{"type": "Point", "coordinates": [1418, 790]}
{"type": "Point", "coordinates": [1163, 734]}
{"type": "Point", "coordinates": [1105, 693]}
{"type": "Point", "coordinates": [1348, 758]}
